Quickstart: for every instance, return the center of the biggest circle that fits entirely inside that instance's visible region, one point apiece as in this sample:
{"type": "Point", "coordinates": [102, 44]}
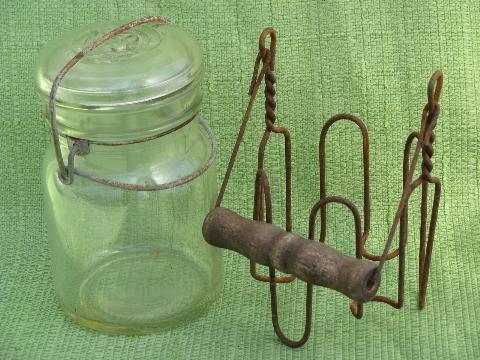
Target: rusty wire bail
{"type": "Point", "coordinates": [66, 172]}
{"type": "Point", "coordinates": [80, 147]}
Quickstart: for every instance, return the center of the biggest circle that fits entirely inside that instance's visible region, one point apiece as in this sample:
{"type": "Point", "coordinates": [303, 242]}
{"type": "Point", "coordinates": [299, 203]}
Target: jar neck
{"type": "Point", "coordinates": [129, 121]}
{"type": "Point", "coordinates": [168, 158]}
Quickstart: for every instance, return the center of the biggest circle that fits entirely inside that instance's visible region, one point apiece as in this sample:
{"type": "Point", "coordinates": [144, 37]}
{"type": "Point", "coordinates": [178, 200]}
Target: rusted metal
{"type": "Point", "coordinates": [266, 57]}
{"type": "Point", "coordinates": [281, 250]}
{"type": "Point", "coordinates": [78, 146]}
{"type": "Point", "coordinates": [81, 147]}
{"type": "Point", "coordinates": [425, 139]}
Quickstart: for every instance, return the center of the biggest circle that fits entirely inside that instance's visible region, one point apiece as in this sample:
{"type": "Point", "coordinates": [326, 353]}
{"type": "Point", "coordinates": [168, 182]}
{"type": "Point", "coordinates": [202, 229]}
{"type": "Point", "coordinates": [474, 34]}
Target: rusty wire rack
{"type": "Point", "coordinates": [264, 72]}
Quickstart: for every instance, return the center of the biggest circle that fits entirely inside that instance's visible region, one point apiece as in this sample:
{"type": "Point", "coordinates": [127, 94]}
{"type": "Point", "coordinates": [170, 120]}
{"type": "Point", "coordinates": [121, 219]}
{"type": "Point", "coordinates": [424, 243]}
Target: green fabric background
{"type": "Point", "coordinates": [372, 58]}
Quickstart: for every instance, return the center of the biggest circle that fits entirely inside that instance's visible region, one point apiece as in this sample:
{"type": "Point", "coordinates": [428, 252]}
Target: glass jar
{"type": "Point", "coordinates": [124, 216]}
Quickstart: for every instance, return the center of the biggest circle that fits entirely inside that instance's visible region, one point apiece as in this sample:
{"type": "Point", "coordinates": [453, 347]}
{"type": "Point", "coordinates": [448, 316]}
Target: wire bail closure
{"type": "Point", "coordinates": [81, 147]}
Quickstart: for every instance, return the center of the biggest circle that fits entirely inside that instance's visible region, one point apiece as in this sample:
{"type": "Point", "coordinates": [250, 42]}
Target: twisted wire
{"type": "Point", "coordinates": [428, 139]}
{"type": "Point", "coordinates": [270, 104]}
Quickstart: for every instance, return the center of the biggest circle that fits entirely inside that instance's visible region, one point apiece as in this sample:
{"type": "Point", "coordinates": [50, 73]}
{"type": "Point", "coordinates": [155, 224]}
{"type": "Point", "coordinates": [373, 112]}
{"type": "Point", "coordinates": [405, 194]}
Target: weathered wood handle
{"type": "Point", "coordinates": [310, 261]}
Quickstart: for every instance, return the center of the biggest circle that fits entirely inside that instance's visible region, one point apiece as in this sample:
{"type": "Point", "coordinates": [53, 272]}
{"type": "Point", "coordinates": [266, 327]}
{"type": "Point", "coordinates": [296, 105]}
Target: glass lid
{"type": "Point", "coordinates": [147, 62]}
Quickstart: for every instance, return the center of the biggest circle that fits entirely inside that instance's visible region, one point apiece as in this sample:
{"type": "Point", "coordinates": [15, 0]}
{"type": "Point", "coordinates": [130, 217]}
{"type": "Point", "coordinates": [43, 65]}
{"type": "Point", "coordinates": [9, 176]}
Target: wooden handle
{"type": "Point", "coordinates": [310, 261]}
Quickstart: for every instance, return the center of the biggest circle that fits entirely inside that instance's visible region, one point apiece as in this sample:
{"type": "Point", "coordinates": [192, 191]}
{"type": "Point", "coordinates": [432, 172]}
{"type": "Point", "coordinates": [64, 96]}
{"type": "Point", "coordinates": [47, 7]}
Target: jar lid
{"type": "Point", "coordinates": [147, 62]}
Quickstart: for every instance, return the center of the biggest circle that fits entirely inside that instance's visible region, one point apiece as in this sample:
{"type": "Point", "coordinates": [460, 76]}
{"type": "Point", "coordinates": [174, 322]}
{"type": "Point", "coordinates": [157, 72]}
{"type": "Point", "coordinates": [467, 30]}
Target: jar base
{"type": "Point", "coordinates": [142, 292]}
{"type": "Point", "coordinates": [132, 330]}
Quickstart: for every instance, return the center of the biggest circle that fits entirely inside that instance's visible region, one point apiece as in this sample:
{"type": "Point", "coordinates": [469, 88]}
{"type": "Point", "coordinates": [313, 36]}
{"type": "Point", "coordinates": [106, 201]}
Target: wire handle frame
{"type": "Point", "coordinates": [262, 211]}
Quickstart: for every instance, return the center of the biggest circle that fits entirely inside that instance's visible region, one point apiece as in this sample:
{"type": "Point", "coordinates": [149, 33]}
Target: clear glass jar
{"type": "Point", "coordinates": [125, 235]}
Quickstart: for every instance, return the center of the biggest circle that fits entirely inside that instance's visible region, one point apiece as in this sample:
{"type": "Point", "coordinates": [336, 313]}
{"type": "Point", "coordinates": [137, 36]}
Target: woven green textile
{"type": "Point", "coordinates": [372, 58]}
